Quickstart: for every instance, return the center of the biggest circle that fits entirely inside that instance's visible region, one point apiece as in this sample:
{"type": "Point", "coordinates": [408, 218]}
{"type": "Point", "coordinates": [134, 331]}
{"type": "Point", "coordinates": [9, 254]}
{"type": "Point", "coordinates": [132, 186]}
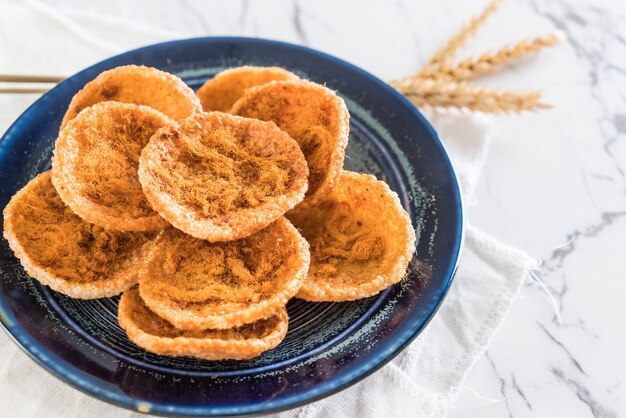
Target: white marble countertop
{"type": "Point", "coordinates": [554, 183]}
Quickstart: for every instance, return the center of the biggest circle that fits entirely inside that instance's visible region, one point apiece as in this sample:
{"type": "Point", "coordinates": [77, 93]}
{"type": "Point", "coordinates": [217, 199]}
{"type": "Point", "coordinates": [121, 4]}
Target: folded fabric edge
{"type": "Point", "coordinates": [516, 263]}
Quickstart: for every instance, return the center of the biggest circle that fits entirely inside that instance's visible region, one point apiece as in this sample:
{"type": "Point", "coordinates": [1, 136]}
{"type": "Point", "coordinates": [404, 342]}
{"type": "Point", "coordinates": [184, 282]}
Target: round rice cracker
{"type": "Point", "coordinates": [223, 90]}
{"type": "Point", "coordinates": [311, 114]}
{"type": "Point", "coordinates": [221, 177]}
{"type": "Point", "coordinates": [95, 162]}
{"type": "Point", "coordinates": [156, 335]}
{"type": "Point", "coordinates": [62, 251]}
{"type": "Point", "coordinates": [361, 238]}
{"type": "Point", "coordinates": [197, 285]}
{"type": "Point", "coordinates": [139, 85]}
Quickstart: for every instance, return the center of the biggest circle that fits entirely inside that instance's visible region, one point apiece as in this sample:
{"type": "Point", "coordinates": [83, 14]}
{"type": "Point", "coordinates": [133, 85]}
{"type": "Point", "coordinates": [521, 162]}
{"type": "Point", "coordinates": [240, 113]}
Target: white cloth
{"type": "Point", "coordinates": [422, 381]}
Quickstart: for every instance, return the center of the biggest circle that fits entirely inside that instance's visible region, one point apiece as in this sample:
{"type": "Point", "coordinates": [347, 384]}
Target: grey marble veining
{"type": "Point", "coordinates": [581, 368]}
{"type": "Point", "coordinates": [554, 183]}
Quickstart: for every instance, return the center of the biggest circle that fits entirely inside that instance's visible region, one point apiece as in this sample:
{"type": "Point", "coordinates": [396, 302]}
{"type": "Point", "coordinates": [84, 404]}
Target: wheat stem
{"type": "Point", "coordinates": [441, 93]}
{"type": "Point", "coordinates": [488, 62]}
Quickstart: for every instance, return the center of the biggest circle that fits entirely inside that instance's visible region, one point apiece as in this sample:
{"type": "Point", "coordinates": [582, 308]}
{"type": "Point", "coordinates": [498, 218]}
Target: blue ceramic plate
{"type": "Point", "coordinates": [329, 345]}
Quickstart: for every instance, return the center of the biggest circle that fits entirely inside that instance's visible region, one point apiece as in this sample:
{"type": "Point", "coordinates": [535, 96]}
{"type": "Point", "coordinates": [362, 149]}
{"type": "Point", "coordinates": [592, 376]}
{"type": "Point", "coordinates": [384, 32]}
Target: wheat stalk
{"type": "Point", "coordinates": [488, 62]}
{"type": "Point", "coordinates": [441, 93]}
{"type": "Point", "coordinates": [439, 84]}
{"type": "Point", "coordinates": [454, 43]}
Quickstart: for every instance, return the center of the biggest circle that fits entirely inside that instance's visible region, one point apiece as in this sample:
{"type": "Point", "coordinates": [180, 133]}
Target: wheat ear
{"type": "Point", "coordinates": [488, 62]}
{"type": "Point", "coordinates": [440, 93]}
{"type": "Point", "coordinates": [454, 43]}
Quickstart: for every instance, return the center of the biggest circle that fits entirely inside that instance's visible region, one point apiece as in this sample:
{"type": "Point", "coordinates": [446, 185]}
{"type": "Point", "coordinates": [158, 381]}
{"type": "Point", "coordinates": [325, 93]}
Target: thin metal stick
{"type": "Point", "coordinates": [24, 91]}
{"type": "Point", "coordinates": [16, 78]}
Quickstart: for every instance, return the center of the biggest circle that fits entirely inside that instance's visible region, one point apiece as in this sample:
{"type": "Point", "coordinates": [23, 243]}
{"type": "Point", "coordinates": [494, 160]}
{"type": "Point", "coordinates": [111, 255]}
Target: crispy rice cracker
{"type": "Point", "coordinates": [197, 285]}
{"type": "Point", "coordinates": [311, 114]}
{"type": "Point", "coordinates": [61, 250]}
{"type": "Point", "coordinates": [140, 85]}
{"type": "Point", "coordinates": [94, 167]}
{"type": "Point", "coordinates": [154, 334]}
{"type": "Point", "coordinates": [223, 90]}
{"type": "Point", "coordinates": [221, 177]}
{"type": "Point", "coordinates": [361, 240]}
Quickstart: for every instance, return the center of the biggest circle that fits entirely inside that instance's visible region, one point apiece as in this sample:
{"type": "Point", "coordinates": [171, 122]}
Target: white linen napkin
{"type": "Point", "coordinates": [422, 381]}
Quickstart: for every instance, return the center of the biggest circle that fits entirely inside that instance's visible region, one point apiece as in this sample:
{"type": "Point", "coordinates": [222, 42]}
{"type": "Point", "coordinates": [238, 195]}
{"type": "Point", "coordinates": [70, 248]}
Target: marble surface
{"type": "Point", "coordinates": [554, 183]}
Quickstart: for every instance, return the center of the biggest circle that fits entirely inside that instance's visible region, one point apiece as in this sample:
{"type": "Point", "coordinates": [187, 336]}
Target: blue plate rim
{"type": "Point", "coordinates": [327, 388]}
